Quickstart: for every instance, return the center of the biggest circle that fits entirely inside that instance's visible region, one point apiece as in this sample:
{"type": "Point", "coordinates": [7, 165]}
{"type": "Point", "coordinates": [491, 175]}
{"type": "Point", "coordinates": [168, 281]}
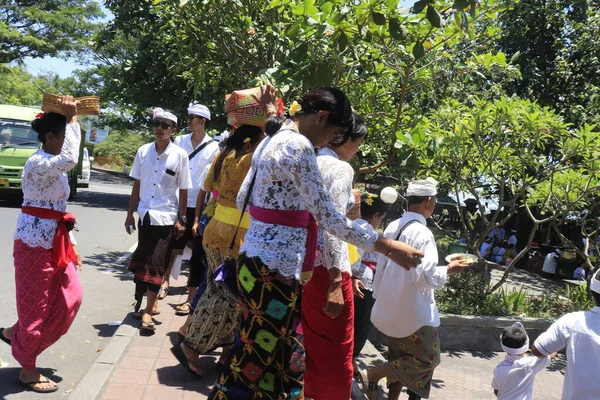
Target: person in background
{"type": "Point", "coordinates": [405, 309]}
{"type": "Point", "coordinates": [512, 239]}
{"type": "Point", "coordinates": [160, 170]}
{"type": "Point", "coordinates": [486, 248]}
{"type": "Point", "coordinates": [47, 286]}
{"type": "Point", "coordinates": [373, 211]}
{"type": "Point", "coordinates": [201, 150]}
{"type": "Point", "coordinates": [579, 333]}
{"type": "Point", "coordinates": [498, 252]}
{"type": "Point", "coordinates": [580, 273]}
{"type": "Point", "coordinates": [550, 263]}
{"type": "Point", "coordinates": [514, 377]}
{"type": "Point", "coordinates": [509, 254]}
{"type": "Point", "coordinates": [497, 234]}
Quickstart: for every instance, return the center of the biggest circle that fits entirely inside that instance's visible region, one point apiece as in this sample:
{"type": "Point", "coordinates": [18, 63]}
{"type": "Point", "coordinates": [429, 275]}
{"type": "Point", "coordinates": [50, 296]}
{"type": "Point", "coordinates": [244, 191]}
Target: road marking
{"type": "Point", "coordinates": [125, 256]}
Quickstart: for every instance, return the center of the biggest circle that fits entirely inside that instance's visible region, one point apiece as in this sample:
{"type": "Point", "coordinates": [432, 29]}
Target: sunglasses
{"type": "Point", "coordinates": [156, 123]}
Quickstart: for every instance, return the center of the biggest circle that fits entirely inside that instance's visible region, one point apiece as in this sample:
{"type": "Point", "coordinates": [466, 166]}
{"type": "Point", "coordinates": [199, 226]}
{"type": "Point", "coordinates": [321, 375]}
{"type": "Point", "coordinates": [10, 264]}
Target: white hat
{"type": "Point", "coordinates": [160, 113]}
{"type": "Point", "coordinates": [199, 109]}
{"type": "Point", "coordinates": [595, 282]}
{"type": "Point", "coordinates": [422, 188]}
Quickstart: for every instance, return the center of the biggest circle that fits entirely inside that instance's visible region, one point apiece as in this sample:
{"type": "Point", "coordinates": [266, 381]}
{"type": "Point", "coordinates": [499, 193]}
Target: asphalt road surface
{"type": "Point", "coordinates": [107, 285]}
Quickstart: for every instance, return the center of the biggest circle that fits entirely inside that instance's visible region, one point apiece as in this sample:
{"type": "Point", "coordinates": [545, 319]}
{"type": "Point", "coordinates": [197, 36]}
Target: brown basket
{"type": "Point", "coordinates": [88, 105]}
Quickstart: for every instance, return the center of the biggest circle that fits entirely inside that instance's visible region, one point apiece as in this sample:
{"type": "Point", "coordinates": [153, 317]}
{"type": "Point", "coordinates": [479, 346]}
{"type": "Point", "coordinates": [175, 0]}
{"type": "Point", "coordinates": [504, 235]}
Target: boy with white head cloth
{"type": "Point", "coordinates": [405, 309]}
{"type": "Point", "coordinates": [579, 333]}
{"type": "Point", "coordinates": [513, 377]}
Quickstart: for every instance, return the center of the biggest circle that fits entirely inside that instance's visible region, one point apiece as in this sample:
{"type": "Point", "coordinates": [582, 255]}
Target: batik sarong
{"type": "Point", "coordinates": [151, 257]}
{"type": "Point", "coordinates": [215, 317]}
{"type": "Point", "coordinates": [328, 341]}
{"type": "Point", "coordinates": [48, 299]}
{"type": "Point", "coordinates": [267, 360]}
{"type": "Point", "coordinates": [413, 359]}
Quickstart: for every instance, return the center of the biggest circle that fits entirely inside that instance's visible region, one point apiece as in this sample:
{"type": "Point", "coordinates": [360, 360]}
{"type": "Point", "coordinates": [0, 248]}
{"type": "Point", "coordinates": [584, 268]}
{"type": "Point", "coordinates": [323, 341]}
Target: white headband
{"type": "Point", "coordinates": [160, 113]}
{"type": "Point", "coordinates": [199, 109]}
{"type": "Point", "coordinates": [595, 282]}
{"type": "Point", "coordinates": [422, 188]}
{"type": "Point", "coordinates": [521, 350]}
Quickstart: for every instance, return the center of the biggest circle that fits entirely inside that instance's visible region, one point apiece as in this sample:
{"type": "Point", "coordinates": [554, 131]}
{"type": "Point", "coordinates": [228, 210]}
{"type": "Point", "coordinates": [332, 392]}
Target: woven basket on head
{"type": "Point", "coordinates": [88, 105]}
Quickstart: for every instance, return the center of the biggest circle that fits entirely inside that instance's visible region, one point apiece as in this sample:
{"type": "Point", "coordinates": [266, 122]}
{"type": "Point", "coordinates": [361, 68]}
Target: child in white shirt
{"type": "Point", "coordinates": [513, 378]}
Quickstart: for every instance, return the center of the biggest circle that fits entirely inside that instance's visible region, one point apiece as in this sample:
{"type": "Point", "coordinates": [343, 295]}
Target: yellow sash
{"type": "Point", "coordinates": [353, 254]}
{"type": "Point", "coordinates": [231, 216]}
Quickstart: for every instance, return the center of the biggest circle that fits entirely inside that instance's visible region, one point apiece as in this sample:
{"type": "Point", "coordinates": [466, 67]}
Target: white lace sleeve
{"type": "Point", "coordinates": [302, 169]}
{"type": "Point", "coordinates": [69, 155]}
{"type": "Point", "coordinates": [337, 176]}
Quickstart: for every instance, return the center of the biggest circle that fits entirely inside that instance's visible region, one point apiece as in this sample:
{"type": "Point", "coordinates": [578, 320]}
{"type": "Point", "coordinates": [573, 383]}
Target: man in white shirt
{"type": "Point", "coordinates": [549, 267]}
{"type": "Point", "coordinates": [201, 150]}
{"type": "Point", "coordinates": [579, 333]}
{"type": "Point", "coordinates": [161, 173]}
{"type": "Point", "coordinates": [405, 309]}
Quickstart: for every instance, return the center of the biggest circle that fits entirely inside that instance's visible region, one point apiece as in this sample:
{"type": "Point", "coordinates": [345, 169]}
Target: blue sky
{"type": "Point", "coordinates": [65, 68]}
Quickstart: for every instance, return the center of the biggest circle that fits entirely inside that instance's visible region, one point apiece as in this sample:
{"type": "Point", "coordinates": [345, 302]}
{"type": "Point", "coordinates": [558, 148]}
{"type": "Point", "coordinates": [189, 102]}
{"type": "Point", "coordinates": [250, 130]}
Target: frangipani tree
{"type": "Point", "coordinates": [513, 150]}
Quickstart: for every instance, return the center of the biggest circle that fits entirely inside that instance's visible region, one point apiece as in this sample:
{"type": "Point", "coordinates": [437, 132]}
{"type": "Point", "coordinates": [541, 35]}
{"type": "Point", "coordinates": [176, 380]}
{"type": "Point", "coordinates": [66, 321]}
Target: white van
{"type": "Point", "coordinates": [83, 180]}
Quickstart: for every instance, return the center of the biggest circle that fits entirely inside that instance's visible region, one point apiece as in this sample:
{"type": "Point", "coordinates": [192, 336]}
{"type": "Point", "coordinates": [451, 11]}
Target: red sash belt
{"type": "Point", "coordinates": [370, 264]}
{"type": "Point", "coordinates": [62, 248]}
{"type": "Point", "coordinates": [293, 219]}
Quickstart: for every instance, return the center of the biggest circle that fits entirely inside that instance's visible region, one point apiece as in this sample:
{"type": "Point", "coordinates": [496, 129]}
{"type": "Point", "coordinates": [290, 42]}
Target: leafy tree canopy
{"type": "Point", "coordinates": [45, 28]}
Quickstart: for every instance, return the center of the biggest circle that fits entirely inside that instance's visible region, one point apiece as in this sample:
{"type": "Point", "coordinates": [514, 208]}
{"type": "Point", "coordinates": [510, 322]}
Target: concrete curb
{"type": "Point", "coordinates": [111, 172]}
{"type": "Point", "coordinates": [90, 386]}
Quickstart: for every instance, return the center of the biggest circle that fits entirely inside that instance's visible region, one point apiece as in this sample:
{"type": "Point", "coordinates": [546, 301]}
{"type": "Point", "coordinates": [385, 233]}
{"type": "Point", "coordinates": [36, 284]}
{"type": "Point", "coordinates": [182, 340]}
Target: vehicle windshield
{"type": "Point", "coordinates": [17, 134]}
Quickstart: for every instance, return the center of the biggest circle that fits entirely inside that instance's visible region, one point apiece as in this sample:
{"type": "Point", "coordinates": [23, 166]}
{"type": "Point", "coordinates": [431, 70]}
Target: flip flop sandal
{"type": "Point", "coordinates": [183, 309]}
{"type": "Point", "coordinates": [140, 314]}
{"type": "Point", "coordinates": [370, 389]}
{"type": "Point", "coordinates": [163, 293]}
{"type": "Point", "coordinates": [4, 339]}
{"type": "Point", "coordinates": [148, 326]}
{"type": "Point", "coordinates": [31, 386]}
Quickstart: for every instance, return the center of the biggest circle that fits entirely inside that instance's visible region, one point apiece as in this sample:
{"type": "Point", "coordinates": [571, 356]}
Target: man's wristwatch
{"type": "Point", "coordinates": [183, 220]}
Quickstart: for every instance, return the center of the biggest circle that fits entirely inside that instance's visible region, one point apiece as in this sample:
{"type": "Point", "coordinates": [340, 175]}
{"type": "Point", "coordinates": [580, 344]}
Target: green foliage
{"type": "Point", "coordinates": [45, 28]}
{"type": "Point", "coordinates": [468, 294]}
{"type": "Point", "coordinates": [579, 298]}
{"type": "Point", "coordinates": [122, 146]}
{"type": "Point", "coordinates": [514, 300]}
{"type": "Point", "coordinates": [19, 87]}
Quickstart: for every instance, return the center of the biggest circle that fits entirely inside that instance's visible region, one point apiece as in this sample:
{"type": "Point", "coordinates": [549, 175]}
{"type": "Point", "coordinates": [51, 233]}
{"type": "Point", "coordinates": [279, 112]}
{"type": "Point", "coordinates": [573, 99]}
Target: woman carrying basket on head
{"type": "Point", "coordinates": [287, 199]}
{"type": "Point", "coordinates": [47, 286]}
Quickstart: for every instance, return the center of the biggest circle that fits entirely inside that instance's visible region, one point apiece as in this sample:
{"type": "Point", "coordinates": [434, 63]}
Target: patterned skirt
{"type": "Point", "coordinates": [48, 299]}
{"type": "Point", "coordinates": [215, 317]}
{"type": "Point", "coordinates": [267, 360]}
{"type": "Point", "coordinates": [413, 359]}
{"type": "Point", "coordinates": [151, 257]}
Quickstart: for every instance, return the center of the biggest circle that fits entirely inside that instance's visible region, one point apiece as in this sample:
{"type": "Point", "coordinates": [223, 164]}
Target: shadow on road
{"type": "Point", "coordinates": [487, 355]}
{"type": "Point", "coordinates": [13, 376]}
{"type": "Point", "coordinates": [109, 201]}
{"type": "Point", "coordinates": [110, 262]}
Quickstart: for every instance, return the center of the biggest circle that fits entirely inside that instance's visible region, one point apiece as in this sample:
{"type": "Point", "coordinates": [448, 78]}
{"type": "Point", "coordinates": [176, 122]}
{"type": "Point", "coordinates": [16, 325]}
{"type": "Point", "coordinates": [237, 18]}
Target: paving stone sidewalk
{"type": "Point", "coordinates": [147, 369]}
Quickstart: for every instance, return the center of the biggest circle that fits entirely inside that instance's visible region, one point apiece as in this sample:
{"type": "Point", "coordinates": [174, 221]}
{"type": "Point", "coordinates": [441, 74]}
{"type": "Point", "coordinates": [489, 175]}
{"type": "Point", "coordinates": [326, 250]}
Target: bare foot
{"type": "Point", "coordinates": [8, 333]}
{"type": "Point", "coordinates": [29, 376]}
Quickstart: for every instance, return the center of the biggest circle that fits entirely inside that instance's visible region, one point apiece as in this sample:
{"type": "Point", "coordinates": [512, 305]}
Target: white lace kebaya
{"type": "Point", "coordinates": [337, 176]}
{"type": "Point", "coordinates": [46, 185]}
{"type": "Point", "coordinates": [288, 178]}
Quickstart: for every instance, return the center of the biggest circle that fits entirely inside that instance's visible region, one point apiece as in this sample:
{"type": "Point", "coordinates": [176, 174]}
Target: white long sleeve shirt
{"type": "Point", "coordinates": [288, 178]}
{"type": "Point", "coordinates": [405, 300]}
{"type": "Point", "coordinates": [579, 332]}
{"type": "Point", "coordinates": [337, 177]}
{"type": "Point", "coordinates": [46, 185]}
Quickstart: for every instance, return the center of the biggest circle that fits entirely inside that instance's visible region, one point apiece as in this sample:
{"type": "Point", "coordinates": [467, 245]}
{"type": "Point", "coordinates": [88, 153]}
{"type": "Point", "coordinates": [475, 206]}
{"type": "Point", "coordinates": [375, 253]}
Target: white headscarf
{"type": "Point", "coordinates": [160, 113]}
{"type": "Point", "coordinates": [422, 188]}
{"type": "Point", "coordinates": [518, 351]}
{"type": "Point", "coordinates": [199, 109]}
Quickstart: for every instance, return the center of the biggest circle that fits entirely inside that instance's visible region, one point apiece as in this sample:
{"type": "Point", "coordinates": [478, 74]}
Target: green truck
{"type": "Point", "coordinates": [17, 143]}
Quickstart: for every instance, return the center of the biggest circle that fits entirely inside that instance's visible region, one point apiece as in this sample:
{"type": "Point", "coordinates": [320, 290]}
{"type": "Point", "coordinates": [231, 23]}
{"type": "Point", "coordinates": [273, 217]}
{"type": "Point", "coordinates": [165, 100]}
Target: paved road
{"type": "Point", "coordinates": [107, 287]}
